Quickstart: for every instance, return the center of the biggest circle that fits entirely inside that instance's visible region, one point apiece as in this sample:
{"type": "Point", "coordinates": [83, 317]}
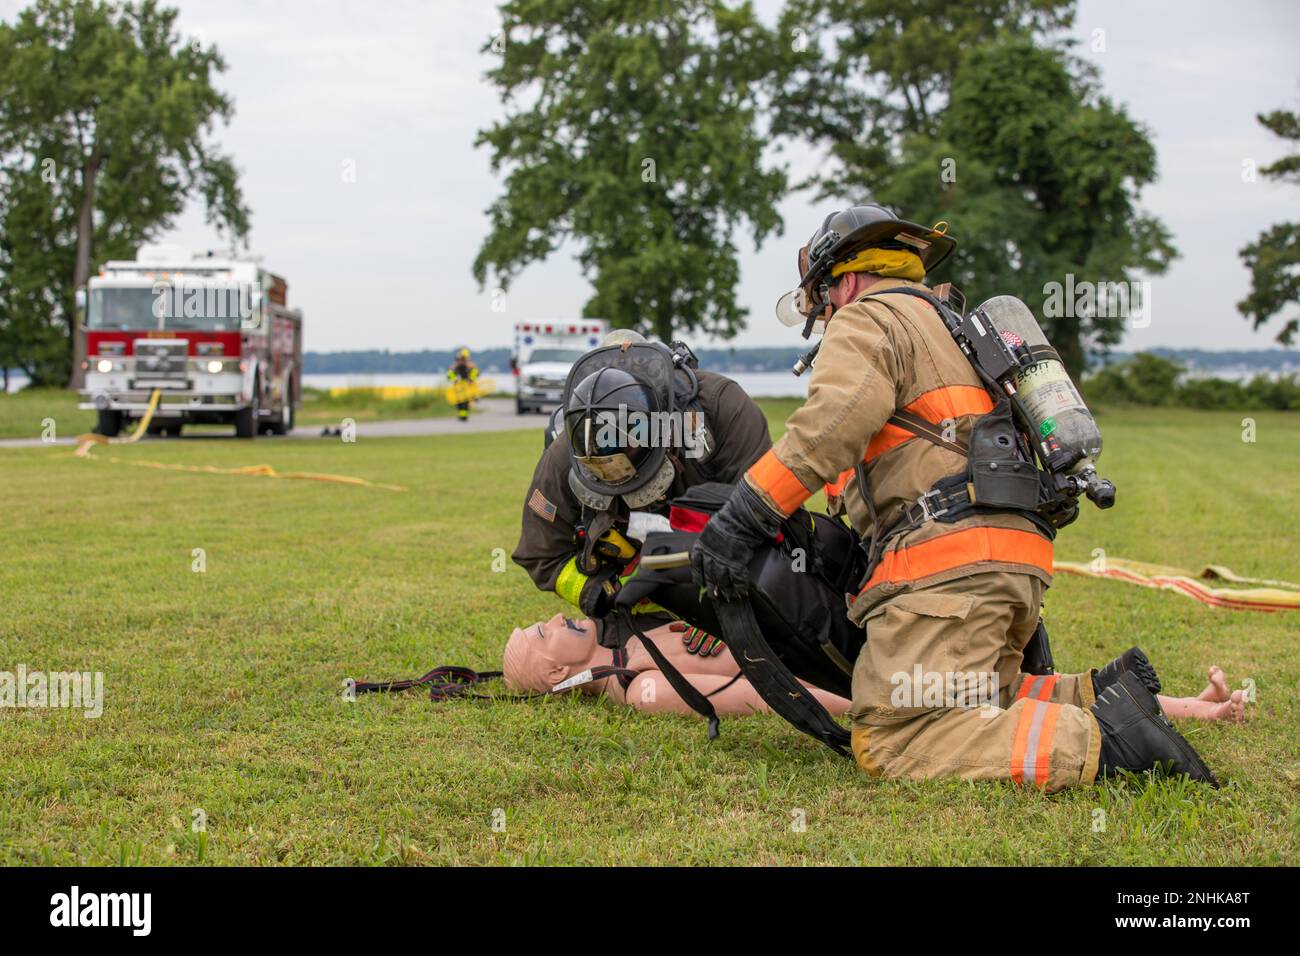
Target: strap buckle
{"type": "Point", "coordinates": [928, 511]}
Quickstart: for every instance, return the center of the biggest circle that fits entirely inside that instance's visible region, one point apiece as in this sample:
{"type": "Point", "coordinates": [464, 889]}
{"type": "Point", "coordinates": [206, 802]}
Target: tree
{"type": "Point", "coordinates": [631, 133]}
{"type": "Point", "coordinates": [975, 113]}
{"type": "Point", "coordinates": [105, 119]}
{"type": "Point", "coordinates": [1040, 176]}
{"type": "Point", "coordinates": [857, 76]}
{"type": "Point", "coordinates": [1274, 258]}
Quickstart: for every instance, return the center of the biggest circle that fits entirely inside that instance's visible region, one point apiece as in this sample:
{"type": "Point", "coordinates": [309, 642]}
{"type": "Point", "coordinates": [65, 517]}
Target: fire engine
{"type": "Point", "coordinates": [543, 354]}
{"type": "Point", "coordinates": [214, 334]}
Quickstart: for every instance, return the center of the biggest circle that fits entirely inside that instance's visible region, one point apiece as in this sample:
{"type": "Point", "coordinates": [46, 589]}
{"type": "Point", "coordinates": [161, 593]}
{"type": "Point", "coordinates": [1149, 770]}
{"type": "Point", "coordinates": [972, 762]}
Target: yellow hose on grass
{"type": "Point", "coordinates": [89, 441]}
{"type": "Point", "coordinates": [90, 438]}
{"type": "Point", "coordinates": [1268, 596]}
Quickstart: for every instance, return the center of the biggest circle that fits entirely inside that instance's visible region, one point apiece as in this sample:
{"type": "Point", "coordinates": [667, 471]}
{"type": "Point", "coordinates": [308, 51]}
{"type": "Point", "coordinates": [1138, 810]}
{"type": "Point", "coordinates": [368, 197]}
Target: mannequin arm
{"type": "Point", "coordinates": [650, 692]}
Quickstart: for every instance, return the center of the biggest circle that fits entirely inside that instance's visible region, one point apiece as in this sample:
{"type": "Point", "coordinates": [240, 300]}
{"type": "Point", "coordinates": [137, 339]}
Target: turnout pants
{"type": "Point", "coordinates": [937, 690]}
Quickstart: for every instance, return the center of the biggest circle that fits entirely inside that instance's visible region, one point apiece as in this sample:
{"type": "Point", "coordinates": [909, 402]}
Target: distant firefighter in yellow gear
{"type": "Point", "coordinates": [462, 370]}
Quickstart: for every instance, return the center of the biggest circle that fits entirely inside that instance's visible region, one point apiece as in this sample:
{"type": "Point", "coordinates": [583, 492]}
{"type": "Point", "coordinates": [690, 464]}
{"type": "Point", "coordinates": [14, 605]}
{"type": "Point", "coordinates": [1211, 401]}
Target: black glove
{"type": "Point", "coordinates": [721, 556]}
{"type": "Point", "coordinates": [599, 592]}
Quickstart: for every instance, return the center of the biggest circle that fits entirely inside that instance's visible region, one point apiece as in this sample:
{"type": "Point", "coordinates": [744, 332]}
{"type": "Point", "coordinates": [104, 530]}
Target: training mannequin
{"type": "Point", "coordinates": [551, 652]}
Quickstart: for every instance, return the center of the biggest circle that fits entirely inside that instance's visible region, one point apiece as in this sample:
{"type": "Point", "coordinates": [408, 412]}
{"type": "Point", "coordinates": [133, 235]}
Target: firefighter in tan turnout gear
{"type": "Point", "coordinates": [953, 586]}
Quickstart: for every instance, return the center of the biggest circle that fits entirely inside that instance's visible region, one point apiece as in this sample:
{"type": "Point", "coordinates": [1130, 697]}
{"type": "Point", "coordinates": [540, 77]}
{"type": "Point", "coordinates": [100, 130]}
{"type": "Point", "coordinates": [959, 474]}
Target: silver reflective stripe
{"type": "Point", "coordinates": [1031, 745]}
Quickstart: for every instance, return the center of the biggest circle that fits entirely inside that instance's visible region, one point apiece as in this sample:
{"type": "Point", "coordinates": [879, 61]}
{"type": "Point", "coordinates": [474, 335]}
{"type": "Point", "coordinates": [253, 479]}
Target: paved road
{"type": "Point", "coordinates": [493, 415]}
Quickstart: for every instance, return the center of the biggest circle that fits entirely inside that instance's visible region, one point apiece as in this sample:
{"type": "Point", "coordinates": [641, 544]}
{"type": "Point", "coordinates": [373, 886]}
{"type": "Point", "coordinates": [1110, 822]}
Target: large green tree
{"type": "Point", "coordinates": [106, 130]}
{"type": "Point", "coordinates": [1040, 176]}
{"type": "Point", "coordinates": [1274, 258]}
{"type": "Point", "coordinates": [631, 135]}
{"type": "Point", "coordinates": [976, 113]}
{"type": "Point", "coordinates": [857, 76]}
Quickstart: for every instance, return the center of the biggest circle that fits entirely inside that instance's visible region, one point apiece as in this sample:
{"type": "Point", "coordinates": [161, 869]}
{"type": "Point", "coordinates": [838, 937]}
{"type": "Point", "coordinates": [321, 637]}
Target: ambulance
{"type": "Point", "coordinates": [543, 354]}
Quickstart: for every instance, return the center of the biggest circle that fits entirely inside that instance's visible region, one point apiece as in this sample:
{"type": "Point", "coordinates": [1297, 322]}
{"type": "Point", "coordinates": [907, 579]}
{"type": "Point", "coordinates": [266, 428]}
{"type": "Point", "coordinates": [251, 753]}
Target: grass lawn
{"type": "Point", "coordinates": [224, 689]}
{"type": "Point", "coordinates": [321, 408]}
{"type": "Point", "coordinates": [24, 414]}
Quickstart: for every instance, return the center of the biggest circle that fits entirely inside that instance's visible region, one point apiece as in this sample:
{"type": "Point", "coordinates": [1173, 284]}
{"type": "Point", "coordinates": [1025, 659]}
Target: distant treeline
{"type": "Point", "coordinates": [428, 361]}
{"type": "Point", "coordinates": [757, 360]}
{"type": "Point", "coordinates": [1151, 379]}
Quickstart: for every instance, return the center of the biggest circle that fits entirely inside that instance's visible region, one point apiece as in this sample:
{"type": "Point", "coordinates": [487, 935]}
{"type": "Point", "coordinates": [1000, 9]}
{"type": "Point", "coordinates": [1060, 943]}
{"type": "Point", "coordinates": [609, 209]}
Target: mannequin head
{"type": "Point", "coordinates": [539, 657]}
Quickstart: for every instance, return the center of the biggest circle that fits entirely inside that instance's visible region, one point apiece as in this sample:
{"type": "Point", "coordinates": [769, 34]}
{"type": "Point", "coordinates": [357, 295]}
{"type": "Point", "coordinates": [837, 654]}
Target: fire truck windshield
{"type": "Point", "coordinates": [195, 308]}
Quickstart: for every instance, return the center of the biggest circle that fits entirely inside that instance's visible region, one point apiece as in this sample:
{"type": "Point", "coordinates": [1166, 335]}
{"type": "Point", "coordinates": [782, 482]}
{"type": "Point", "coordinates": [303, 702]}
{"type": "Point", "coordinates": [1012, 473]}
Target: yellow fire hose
{"type": "Point", "coordinates": [89, 441]}
{"type": "Point", "coordinates": [90, 438]}
{"type": "Point", "coordinates": [1269, 595]}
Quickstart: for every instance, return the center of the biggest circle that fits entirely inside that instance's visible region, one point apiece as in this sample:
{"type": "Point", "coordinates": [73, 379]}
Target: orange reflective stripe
{"type": "Point", "coordinates": [1021, 740]}
{"type": "Point", "coordinates": [837, 487]}
{"type": "Point", "coordinates": [1026, 688]}
{"type": "Point", "coordinates": [952, 401]}
{"type": "Point", "coordinates": [1038, 688]}
{"type": "Point", "coordinates": [946, 403]}
{"type": "Point", "coordinates": [1031, 748]}
{"type": "Point", "coordinates": [778, 482]}
{"type": "Point", "coordinates": [1049, 685]}
{"type": "Point", "coordinates": [968, 546]}
{"type": "Point", "coordinates": [888, 438]}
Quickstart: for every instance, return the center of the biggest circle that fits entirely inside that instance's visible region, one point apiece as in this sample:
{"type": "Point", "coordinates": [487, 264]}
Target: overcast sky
{"type": "Point", "coordinates": [396, 88]}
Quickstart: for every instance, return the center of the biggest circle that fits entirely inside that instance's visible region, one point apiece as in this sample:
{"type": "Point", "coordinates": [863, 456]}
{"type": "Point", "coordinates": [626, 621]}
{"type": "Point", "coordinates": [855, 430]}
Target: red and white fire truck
{"type": "Point", "coordinates": [214, 334]}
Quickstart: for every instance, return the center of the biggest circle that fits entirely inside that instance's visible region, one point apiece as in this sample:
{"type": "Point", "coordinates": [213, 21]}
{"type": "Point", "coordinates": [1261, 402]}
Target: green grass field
{"type": "Point", "coordinates": [224, 689]}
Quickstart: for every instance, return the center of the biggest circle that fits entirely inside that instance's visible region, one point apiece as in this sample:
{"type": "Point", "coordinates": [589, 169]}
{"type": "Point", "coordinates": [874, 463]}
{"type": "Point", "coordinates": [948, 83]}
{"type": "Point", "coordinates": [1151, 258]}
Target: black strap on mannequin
{"type": "Point", "coordinates": [443, 682]}
{"type": "Point", "coordinates": [778, 687]}
{"type": "Point", "coordinates": [685, 689]}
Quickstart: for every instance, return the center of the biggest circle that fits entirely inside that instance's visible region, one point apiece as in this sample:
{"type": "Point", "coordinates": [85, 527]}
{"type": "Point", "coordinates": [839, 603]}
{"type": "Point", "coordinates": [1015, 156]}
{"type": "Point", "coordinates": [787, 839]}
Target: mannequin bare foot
{"type": "Point", "coordinates": [1217, 689]}
{"type": "Point", "coordinates": [1232, 710]}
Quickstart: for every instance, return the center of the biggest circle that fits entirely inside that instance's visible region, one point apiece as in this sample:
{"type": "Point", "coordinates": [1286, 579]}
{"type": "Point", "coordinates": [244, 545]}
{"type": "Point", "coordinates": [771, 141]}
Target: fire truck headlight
{"type": "Point", "coordinates": [105, 366]}
{"type": "Point", "coordinates": [215, 366]}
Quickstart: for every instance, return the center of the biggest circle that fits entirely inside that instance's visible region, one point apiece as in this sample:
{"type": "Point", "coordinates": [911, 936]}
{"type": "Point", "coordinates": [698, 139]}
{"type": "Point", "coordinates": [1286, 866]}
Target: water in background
{"type": "Point", "coordinates": [758, 384]}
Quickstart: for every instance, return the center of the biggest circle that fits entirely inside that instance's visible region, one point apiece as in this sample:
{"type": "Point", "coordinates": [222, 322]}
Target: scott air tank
{"type": "Point", "coordinates": [1056, 416]}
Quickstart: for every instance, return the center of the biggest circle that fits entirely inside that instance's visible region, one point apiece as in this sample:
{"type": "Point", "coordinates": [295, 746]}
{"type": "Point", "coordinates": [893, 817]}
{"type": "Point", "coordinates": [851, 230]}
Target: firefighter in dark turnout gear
{"type": "Point", "coordinates": [581, 503]}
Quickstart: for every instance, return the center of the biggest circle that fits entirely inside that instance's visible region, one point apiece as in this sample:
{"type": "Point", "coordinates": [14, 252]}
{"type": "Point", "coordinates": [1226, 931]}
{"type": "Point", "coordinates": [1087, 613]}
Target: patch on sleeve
{"type": "Point", "coordinates": [541, 506]}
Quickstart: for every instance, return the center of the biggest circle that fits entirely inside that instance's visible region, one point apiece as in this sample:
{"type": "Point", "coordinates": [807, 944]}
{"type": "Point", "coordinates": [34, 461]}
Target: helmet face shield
{"type": "Point", "coordinates": [611, 396]}
{"type": "Point", "coordinates": [610, 469]}
{"type": "Point", "coordinates": [792, 308]}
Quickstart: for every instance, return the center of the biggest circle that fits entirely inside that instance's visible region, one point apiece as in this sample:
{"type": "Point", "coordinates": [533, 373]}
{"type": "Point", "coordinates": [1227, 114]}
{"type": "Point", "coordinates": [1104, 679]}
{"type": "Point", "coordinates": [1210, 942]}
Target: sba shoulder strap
{"type": "Point", "coordinates": [685, 689]}
{"type": "Point", "coordinates": [908, 421]}
{"type": "Point", "coordinates": [778, 687]}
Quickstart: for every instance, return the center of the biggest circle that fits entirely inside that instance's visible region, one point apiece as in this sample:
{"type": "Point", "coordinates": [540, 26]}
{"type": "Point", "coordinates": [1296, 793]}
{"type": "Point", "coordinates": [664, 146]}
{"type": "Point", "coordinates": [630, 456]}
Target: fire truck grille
{"type": "Point", "coordinates": [160, 363]}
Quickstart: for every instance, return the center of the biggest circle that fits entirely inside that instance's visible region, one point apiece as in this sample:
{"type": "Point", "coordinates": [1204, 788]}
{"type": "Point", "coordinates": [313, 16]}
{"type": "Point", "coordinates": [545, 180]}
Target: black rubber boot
{"type": "Point", "coordinates": [1136, 735]}
{"type": "Point", "coordinates": [1133, 661]}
